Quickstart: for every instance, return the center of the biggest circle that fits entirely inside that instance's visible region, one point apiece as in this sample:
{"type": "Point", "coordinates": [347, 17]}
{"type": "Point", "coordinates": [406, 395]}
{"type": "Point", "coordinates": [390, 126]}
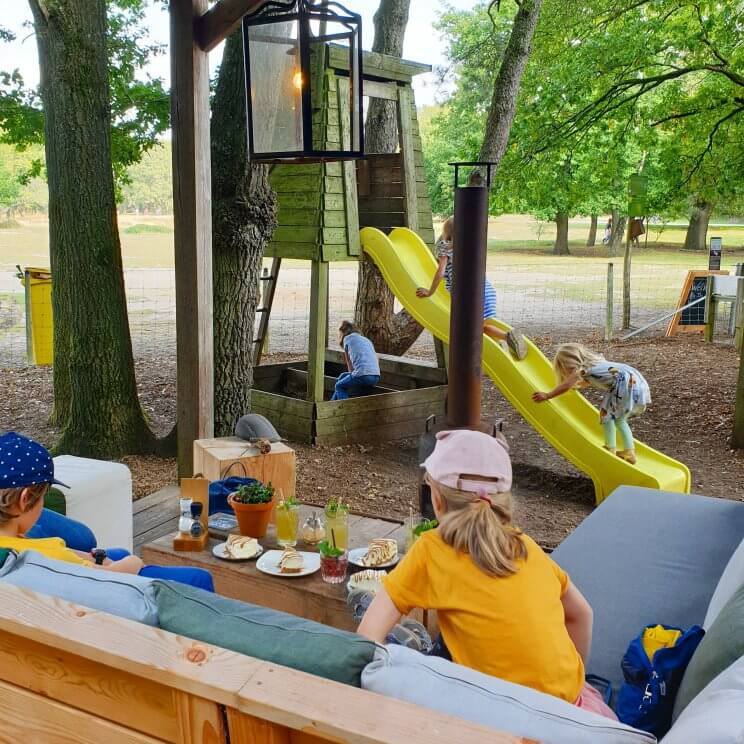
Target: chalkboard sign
{"type": "Point", "coordinates": [695, 315]}
{"type": "Point", "coordinates": [691, 319]}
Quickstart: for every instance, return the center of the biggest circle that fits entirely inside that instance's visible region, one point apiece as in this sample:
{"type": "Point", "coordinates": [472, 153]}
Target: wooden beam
{"type": "Point", "coordinates": [407, 157]}
{"type": "Point", "coordinates": [318, 309]}
{"type": "Point", "coordinates": [214, 26]}
{"type": "Point", "coordinates": [192, 211]}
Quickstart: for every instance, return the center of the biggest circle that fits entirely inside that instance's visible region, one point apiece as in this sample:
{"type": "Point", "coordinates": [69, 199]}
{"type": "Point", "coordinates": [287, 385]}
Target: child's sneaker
{"type": "Point", "coordinates": [516, 344]}
{"type": "Point", "coordinates": [358, 602]}
{"type": "Point", "coordinates": [628, 455]}
{"type": "Point", "coordinates": [411, 634]}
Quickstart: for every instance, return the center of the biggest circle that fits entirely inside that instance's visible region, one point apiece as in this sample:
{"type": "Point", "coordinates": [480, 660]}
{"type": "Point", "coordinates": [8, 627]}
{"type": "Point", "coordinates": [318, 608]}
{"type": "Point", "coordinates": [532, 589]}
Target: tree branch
{"type": "Point", "coordinates": [711, 137]}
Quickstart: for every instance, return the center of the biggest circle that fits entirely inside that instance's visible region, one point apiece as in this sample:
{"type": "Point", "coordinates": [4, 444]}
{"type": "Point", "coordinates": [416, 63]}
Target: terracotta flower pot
{"type": "Point", "coordinates": [253, 519]}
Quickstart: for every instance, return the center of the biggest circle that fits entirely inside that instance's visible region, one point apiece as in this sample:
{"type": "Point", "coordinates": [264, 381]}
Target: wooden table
{"type": "Point", "coordinates": [309, 597]}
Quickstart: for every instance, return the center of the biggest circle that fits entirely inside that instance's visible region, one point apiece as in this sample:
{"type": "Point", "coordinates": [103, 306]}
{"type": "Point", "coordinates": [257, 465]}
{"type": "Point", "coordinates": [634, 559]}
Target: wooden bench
{"type": "Point", "coordinates": [73, 675]}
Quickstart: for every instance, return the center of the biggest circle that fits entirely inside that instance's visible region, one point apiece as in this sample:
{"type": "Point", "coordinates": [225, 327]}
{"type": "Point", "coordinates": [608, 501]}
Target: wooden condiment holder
{"type": "Point", "coordinates": [196, 489]}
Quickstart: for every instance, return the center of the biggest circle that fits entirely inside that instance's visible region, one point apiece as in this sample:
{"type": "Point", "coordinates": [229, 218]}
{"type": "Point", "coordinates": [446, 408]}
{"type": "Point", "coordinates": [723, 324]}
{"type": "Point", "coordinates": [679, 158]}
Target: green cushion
{"type": "Point", "coordinates": [722, 645]}
{"type": "Point", "coordinates": [4, 553]}
{"type": "Point", "coordinates": [55, 501]}
{"type": "Point", "coordinates": [262, 633]}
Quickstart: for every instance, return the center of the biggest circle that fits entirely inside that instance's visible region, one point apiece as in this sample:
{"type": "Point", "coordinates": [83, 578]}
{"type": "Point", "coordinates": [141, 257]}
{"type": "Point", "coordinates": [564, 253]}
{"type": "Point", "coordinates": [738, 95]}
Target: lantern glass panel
{"type": "Point", "coordinates": [276, 87]}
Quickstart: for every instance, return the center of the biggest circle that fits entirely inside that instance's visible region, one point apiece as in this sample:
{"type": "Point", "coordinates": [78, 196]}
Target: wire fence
{"type": "Point", "coordinates": [538, 296]}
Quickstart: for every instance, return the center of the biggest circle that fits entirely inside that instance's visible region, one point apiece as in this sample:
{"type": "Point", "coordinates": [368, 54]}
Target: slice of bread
{"type": "Point", "coordinates": [380, 551]}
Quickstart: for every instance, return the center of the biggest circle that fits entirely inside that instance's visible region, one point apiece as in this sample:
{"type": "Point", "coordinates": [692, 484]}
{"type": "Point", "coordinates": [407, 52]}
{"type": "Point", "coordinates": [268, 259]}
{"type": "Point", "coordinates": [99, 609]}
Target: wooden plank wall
{"type": "Point", "coordinates": [70, 674]}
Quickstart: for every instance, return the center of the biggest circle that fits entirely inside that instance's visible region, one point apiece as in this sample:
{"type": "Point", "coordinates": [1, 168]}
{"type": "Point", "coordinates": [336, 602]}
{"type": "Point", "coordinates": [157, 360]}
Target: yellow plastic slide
{"type": "Point", "coordinates": [570, 423]}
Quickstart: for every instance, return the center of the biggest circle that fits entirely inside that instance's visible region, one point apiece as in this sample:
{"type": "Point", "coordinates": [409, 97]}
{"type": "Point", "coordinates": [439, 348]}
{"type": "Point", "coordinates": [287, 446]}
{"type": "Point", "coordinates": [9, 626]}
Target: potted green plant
{"type": "Point", "coordinates": [252, 505]}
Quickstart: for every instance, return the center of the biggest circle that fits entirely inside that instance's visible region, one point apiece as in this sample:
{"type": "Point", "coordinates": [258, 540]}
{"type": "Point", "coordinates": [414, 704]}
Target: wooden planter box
{"type": "Point", "coordinates": [409, 392]}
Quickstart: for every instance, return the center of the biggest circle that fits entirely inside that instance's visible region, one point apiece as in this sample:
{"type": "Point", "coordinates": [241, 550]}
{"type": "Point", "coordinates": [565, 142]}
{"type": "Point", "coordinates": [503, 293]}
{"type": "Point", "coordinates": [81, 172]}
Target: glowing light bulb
{"type": "Point", "coordinates": [297, 80]}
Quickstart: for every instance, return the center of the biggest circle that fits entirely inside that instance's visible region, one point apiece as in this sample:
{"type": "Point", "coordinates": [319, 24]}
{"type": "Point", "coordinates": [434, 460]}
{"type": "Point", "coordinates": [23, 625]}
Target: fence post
{"type": "Point", "coordinates": [609, 321]}
{"type": "Point", "coordinates": [739, 310]}
{"type": "Point", "coordinates": [710, 311]}
{"type": "Point", "coordinates": [626, 278]}
{"type": "Point", "coordinates": [264, 299]}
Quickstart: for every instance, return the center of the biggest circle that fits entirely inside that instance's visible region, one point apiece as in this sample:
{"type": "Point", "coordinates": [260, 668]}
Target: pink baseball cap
{"type": "Point", "coordinates": [470, 461]}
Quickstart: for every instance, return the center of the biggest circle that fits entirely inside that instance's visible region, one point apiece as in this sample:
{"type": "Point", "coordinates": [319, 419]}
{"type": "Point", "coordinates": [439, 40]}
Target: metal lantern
{"type": "Point", "coordinates": [287, 44]}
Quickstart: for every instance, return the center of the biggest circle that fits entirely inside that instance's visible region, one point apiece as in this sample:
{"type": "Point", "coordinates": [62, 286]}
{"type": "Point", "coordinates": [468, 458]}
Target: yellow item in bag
{"type": "Point", "coordinates": [659, 637]}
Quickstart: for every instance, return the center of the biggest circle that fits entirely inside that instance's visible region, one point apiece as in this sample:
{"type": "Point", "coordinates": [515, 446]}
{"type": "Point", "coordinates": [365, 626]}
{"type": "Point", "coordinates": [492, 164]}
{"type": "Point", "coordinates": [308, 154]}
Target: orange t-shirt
{"type": "Point", "coordinates": [510, 627]}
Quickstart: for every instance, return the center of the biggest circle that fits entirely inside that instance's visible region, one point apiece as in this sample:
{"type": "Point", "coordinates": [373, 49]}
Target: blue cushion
{"type": "Point", "coordinates": [119, 594]}
{"type": "Point", "coordinates": [647, 556]}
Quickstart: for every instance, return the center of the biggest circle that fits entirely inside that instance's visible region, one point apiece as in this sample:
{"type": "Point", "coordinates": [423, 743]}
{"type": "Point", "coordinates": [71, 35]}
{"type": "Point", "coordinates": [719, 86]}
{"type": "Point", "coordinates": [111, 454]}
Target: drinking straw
{"type": "Point", "coordinates": [333, 539]}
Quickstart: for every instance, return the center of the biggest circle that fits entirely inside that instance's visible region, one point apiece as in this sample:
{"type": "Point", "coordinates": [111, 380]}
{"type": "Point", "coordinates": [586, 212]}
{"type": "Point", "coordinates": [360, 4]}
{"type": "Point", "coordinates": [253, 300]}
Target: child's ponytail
{"type": "Point", "coordinates": [480, 524]}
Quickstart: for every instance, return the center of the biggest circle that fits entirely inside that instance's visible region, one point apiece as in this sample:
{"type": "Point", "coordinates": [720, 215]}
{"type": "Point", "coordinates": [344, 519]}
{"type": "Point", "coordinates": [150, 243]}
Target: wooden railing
{"type": "Point", "coordinates": [70, 674]}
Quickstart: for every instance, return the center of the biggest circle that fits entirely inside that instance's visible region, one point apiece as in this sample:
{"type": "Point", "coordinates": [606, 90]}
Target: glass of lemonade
{"type": "Point", "coordinates": [287, 523]}
{"type": "Point", "coordinates": [337, 523]}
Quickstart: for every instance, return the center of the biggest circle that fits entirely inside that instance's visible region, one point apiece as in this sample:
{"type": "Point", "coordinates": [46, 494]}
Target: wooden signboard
{"type": "Point", "coordinates": [691, 320]}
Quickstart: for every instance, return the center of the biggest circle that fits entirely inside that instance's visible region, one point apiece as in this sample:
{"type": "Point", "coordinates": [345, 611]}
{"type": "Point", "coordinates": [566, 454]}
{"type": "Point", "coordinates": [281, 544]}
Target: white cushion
{"type": "Point", "coordinates": [438, 684]}
{"type": "Point", "coordinates": [100, 496]}
{"type": "Point", "coordinates": [731, 579]}
{"type": "Point", "coordinates": [716, 715]}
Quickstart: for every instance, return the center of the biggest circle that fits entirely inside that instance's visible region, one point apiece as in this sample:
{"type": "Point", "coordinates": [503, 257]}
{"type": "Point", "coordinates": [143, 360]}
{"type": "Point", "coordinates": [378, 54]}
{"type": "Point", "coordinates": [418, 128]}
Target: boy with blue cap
{"type": "Point", "coordinates": [26, 473]}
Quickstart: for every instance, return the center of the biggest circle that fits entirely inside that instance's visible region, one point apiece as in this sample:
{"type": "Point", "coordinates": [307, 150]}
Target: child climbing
{"type": "Point", "coordinates": [514, 340]}
{"type": "Point", "coordinates": [626, 392]}
{"type": "Point", "coordinates": [504, 607]}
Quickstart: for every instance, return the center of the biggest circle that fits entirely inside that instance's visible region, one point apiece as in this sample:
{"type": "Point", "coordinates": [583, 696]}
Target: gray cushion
{"type": "Point", "coordinates": [731, 579]}
{"type": "Point", "coordinates": [645, 557]}
{"type": "Point", "coordinates": [722, 645]}
{"type": "Point", "coordinates": [263, 633]}
{"type": "Point", "coordinates": [118, 594]}
{"type": "Point", "coordinates": [440, 685]}
{"type": "Point", "coordinates": [715, 715]}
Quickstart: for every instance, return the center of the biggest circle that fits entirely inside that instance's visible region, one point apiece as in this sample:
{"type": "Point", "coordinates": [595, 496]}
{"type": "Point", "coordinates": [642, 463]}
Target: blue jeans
{"type": "Point", "coordinates": [79, 537]}
{"type": "Point", "coordinates": [348, 386]}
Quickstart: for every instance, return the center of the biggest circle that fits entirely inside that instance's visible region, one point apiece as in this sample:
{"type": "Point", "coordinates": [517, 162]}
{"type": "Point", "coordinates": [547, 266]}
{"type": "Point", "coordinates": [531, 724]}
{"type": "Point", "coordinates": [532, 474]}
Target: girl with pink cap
{"type": "Point", "coordinates": [504, 607]}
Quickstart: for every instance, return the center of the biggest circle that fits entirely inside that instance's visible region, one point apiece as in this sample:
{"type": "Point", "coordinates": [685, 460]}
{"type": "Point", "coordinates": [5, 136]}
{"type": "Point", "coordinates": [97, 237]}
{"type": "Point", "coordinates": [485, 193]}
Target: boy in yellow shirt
{"type": "Point", "coordinates": [504, 607]}
{"type": "Point", "coordinates": [26, 472]}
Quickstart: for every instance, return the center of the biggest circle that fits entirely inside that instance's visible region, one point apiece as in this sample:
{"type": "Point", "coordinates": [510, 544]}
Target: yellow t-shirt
{"type": "Point", "coordinates": [509, 627]}
{"type": "Point", "coordinates": [51, 547]}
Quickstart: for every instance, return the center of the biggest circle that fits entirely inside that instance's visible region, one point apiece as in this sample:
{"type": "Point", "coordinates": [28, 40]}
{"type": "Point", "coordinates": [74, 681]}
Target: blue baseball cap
{"type": "Point", "coordinates": [24, 462]}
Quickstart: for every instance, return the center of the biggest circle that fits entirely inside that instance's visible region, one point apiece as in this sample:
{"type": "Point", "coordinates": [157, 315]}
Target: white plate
{"type": "Point", "coordinates": [369, 580]}
{"type": "Point", "coordinates": [268, 563]}
{"type": "Point", "coordinates": [220, 551]}
{"type": "Point", "coordinates": [356, 555]}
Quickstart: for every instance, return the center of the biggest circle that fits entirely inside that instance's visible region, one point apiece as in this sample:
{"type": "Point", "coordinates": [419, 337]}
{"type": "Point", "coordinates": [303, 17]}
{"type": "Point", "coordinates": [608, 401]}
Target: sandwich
{"type": "Point", "coordinates": [291, 561]}
{"type": "Point", "coordinates": [238, 546]}
{"type": "Point", "coordinates": [380, 551]}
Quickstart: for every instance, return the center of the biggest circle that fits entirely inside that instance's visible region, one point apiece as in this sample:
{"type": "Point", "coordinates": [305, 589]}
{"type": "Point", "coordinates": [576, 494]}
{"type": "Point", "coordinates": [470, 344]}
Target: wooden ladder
{"type": "Point", "coordinates": [268, 289]}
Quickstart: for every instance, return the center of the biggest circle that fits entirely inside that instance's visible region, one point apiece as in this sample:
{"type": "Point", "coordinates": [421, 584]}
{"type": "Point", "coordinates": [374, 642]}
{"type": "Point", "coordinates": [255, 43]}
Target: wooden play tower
{"type": "Point", "coordinates": [322, 207]}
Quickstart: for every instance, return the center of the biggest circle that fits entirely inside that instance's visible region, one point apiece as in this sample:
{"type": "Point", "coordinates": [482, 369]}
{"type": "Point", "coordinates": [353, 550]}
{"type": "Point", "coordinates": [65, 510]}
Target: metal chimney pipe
{"type": "Point", "coordinates": [466, 318]}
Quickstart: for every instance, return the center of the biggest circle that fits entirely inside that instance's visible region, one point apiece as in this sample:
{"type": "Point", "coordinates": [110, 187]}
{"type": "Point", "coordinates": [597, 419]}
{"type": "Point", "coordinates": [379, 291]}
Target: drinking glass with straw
{"type": "Point", "coordinates": [334, 561]}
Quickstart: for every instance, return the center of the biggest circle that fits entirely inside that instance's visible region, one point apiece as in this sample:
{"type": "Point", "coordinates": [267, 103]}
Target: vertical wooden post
{"type": "Point", "coordinates": [609, 310]}
{"type": "Point", "coordinates": [192, 213]}
{"type": "Point", "coordinates": [408, 158]}
{"type": "Point", "coordinates": [626, 277]}
{"type": "Point", "coordinates": [737, 438]}
{"type": "Point", "coordinates": [710, 311]}
{"type": "Point", "coordinates": [318, 340]}
{"type": "Point", "coordinates": [739, 310]}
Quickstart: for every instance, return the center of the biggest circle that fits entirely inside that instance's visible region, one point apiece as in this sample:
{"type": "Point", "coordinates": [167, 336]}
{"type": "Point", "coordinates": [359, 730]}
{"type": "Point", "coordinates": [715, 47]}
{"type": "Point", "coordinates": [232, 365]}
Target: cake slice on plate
{"type": "Point", "coordinates": [238, 546]}
{"type": "Point", "coordinates": [291, 561]}
{"type": "Point", "coordinates": [380, 551]}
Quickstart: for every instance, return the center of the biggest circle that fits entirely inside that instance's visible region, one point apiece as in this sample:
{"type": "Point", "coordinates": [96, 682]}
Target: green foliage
{"type": "Point", "coordinates": [149, 186]}
{"type": "Point", "coordinates": [254, 493]}
{"type": "Point", "coordinates": [144, 229]}
{"type": "Point", "coordinates": [425, 526]}
{"type": "Point", "coordinates": [140, 108]}
{"type": "Point", "coordinates": [335, 508]}
{"type": "Point", "coordinates": [609, 89]}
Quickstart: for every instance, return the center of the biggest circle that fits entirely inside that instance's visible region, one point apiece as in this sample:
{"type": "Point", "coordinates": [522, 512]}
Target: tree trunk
{"type": "Point", "coordinates": [390, 332]}
{"type": "Point", "coordinates": [617, 236]}
{"type": "Point", "coordinates": [243, 221]}
{"type": "Point", "coordinates": [560, 247]}
{"type": "Point", "coordinates": [95, 393]}
{"type": "Point", "coordinates": [506, 87]}
{"type": "Point", "coordinates": [697, 231]}
{"type": "Point", "coordinates": [591, 240]}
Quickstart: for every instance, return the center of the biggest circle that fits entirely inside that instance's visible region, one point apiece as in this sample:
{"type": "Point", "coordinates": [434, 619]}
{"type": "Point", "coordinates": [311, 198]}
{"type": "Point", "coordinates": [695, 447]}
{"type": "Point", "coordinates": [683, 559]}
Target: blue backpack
{"type": "Point", "coordinates": [646, 699]}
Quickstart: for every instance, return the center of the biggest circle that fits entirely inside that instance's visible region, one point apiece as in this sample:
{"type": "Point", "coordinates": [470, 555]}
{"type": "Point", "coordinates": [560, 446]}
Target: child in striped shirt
{"type": "Point", "coordinates": [514, 340]}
